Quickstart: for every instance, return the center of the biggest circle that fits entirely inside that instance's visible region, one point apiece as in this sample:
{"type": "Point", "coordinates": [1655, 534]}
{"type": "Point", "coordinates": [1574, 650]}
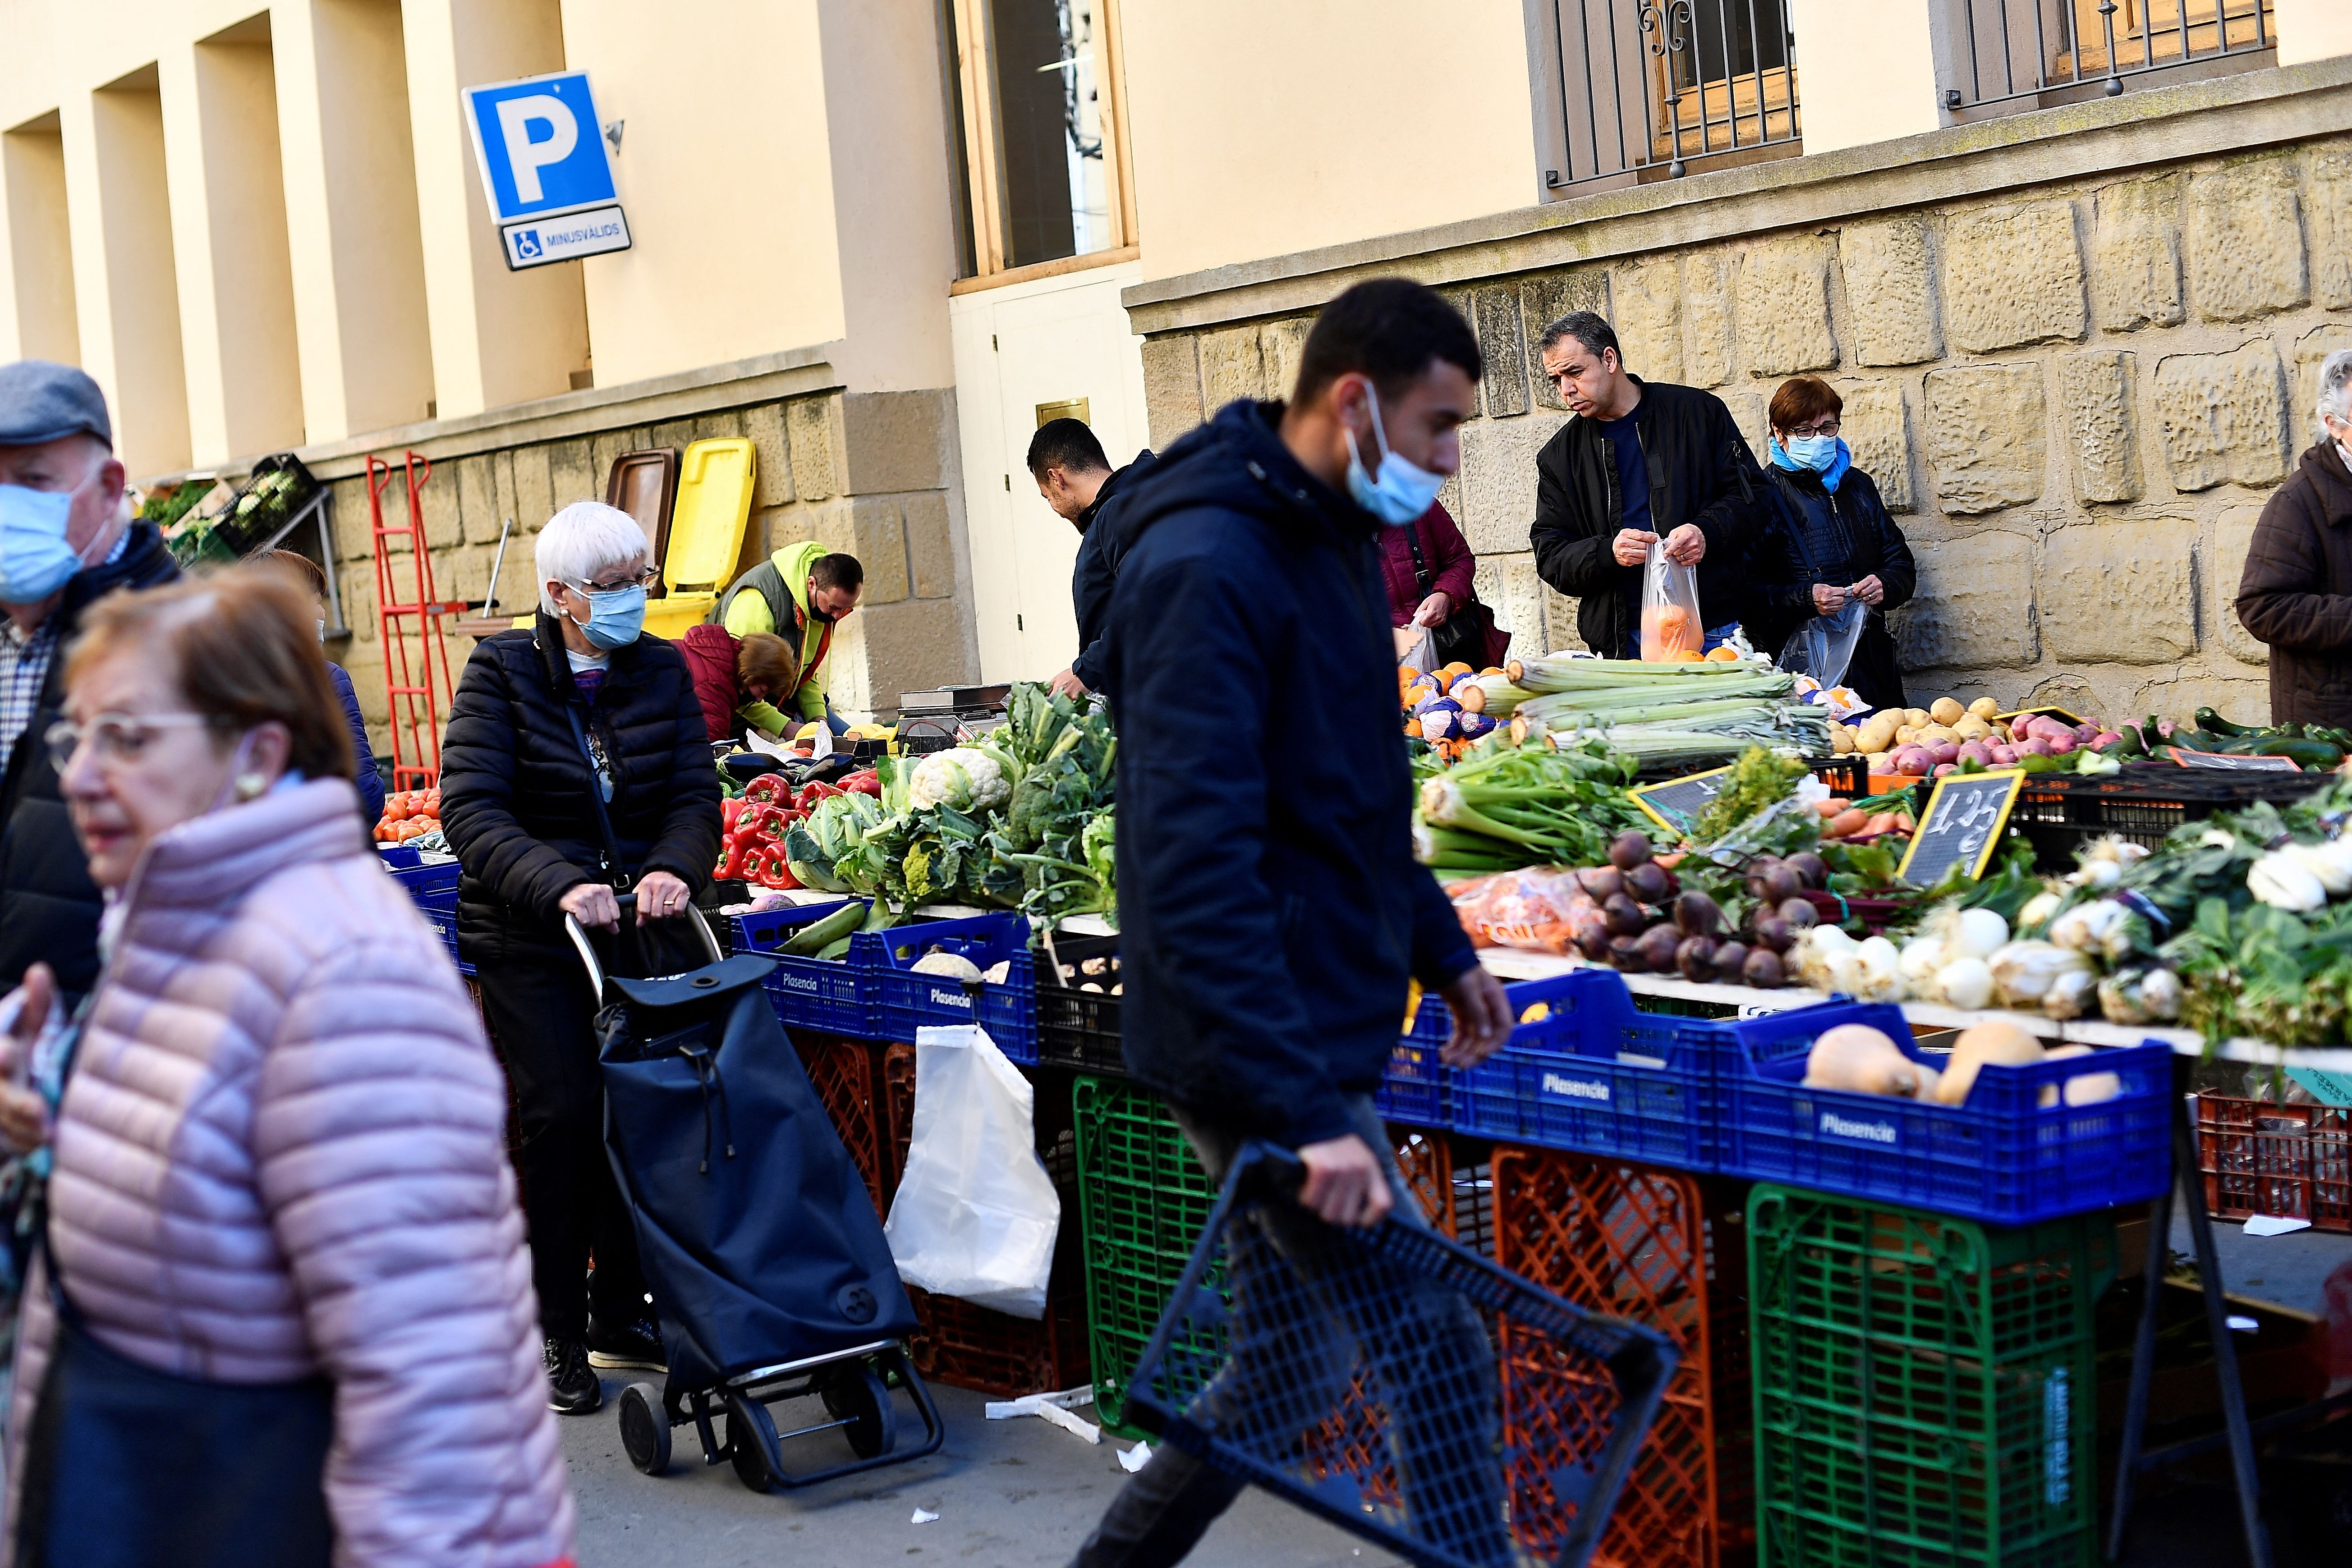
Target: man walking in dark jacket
{"type": "Point", "coordinates": [1270, 907]}
{"type": "Point", "coordinates": [1077, 481]}
{"type": "Point", "coordinates": [1641, 461]}
{"type": "Point", "coordinates": [66, 539]}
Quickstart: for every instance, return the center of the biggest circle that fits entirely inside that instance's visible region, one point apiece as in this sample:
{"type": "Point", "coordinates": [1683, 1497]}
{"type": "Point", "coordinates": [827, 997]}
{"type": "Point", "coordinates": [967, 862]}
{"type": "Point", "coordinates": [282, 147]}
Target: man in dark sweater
{"type": "Point", "coordinates": [1270, 908]}
{"type": "Point", "coordinates": [1640, 461]}
{"type": "Point", "coordinates": [66, 539]}
{"type": "Point", "coordinates": [1077, 482]}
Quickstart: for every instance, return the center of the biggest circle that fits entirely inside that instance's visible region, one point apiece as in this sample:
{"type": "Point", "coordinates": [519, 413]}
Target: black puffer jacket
{"type": "Point", "coordinates": [1270, 910]}
{"type": "Point", "coordinates": [515, 783]}
{"type": "Point", "coordinates": [2295, 594]}
{"type": "Point", "coordinates": [49, 906]}
{"type": "Point", "coordinates": [1700, 471]}
{"type": "Point", "coordinates": [1815, 534]}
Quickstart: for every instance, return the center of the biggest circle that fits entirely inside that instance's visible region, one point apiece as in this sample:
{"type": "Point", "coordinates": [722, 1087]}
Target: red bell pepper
{"type": "Point", "coordinates": [728, 811]}
{"type": "Point", "coordinates": [867, 782]}
{"type": "Point", "coordinates": [766, 787]}
{"type": "Point", "coordinates": [730, 865]}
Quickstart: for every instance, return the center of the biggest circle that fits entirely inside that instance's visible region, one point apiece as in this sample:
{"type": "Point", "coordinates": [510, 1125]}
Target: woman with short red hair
{"type": "Point", "coordinates": [1828, 541]}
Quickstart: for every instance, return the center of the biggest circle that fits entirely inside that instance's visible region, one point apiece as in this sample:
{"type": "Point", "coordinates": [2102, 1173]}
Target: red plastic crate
{"type": "Point", "coordinates": [843, 1073]}
{"type": "Point", "coordinates": [2262, 1157]}
{"type": "Point", "coordinates": [973, 1347]}
{"type": "Point", "coordinates": [1657, 1247]}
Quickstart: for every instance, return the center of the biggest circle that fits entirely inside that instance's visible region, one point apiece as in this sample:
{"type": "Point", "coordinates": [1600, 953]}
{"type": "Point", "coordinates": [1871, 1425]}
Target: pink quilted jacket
{"type": "Point", "coordinates": [279, 1153]}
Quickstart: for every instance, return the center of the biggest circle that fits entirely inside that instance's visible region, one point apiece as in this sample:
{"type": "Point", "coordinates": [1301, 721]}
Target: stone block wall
{"type": "Point", "coordinates": [871, 474]}
{"type": "Point", "coordinates": [2077, 395]}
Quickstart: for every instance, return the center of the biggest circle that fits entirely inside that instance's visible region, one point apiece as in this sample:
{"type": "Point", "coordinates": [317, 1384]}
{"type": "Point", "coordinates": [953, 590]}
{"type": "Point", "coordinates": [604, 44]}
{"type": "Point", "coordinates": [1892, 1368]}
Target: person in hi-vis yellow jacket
{"type": "Point", "coordinates": [798, 593]}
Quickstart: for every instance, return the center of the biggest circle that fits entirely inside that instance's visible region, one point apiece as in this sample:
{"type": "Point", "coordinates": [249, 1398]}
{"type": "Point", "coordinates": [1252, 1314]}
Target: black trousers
{"type": "Point", "coordinates": [541, 1011]}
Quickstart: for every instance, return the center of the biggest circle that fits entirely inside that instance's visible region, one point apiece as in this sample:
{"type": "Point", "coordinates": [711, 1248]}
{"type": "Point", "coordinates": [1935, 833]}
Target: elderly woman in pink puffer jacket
{"type": "Point", "coordinates": [291, 1320]}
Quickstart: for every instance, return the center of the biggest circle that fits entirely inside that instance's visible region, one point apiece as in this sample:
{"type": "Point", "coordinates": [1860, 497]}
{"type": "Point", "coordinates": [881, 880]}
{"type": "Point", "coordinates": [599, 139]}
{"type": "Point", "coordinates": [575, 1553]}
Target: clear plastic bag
{"type": "Point", "coordinates": [1823, 647]}
{"type": "Point", "coordinates": [1416, 648]}
{"type": "Point", "coordinates": [1671, 628]}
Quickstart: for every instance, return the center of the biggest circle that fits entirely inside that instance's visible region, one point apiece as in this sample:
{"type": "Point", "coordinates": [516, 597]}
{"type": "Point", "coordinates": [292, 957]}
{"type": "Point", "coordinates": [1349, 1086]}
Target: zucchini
{"type": "Point", "coordinates": [2318, 754]}
{"type": "Point", "coordinates": [836, 949]}
{"type": "Point", "coordinates": [2212, 723]}
{"type": "Point", "coordinates": [819, 934]}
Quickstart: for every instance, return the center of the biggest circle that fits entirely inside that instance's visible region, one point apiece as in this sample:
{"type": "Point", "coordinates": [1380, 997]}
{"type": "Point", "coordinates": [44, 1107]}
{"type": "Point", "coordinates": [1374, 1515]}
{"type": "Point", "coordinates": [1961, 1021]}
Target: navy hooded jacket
{"type": "Point", "coordinates": [1095, 571]}
{"type": "Point", "coordinates": [1270, 908]}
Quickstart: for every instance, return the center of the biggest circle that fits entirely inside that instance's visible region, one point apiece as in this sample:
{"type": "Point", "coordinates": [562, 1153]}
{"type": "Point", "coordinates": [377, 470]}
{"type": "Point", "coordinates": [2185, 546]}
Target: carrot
{"type": "Point", "coordinates": [1832, 806]}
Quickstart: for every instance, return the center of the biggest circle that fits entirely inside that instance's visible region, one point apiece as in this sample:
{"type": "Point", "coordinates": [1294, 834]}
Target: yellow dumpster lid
{"type": "Point", "coordinates": [714, 503]}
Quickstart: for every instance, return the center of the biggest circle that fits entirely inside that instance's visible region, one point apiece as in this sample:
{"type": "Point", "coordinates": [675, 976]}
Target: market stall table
{"type": "Point", "coordinates": [2188, 1047]}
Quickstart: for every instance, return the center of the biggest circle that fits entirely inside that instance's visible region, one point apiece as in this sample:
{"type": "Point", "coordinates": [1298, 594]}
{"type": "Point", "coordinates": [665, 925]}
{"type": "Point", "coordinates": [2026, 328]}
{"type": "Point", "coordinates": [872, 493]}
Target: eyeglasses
{"type": "Point", "coordinates": [121, 738]}
{"type": "Point", "coordinates": [1829, 426]}
{"type": "Point", "coordinates": [645, 578]}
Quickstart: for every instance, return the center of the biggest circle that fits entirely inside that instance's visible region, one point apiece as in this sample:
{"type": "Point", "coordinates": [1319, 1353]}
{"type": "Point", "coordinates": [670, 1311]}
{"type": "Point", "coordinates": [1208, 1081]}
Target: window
{"type": "Point", "coordinates": [2014, 52]}
{"type": "Point", "coordinates": [1037, 91]}
{"type": "Point", "coordinates": [1650, 90]}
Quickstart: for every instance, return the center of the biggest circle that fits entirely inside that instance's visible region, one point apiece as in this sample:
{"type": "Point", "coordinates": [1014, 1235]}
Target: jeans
{"type": "Point", "coordinates": [1419, 1351]}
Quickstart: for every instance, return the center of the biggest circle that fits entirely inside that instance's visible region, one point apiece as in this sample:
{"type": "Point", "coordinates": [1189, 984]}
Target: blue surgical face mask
{"type": "Point", "coordinates": [34, 559]}
{"type": "Point", "coordinates": [1403, 491]}
{"type": "Point", "coordinates": [615, 616]}
{"type": "Point", "coordinates": [1814, 452]}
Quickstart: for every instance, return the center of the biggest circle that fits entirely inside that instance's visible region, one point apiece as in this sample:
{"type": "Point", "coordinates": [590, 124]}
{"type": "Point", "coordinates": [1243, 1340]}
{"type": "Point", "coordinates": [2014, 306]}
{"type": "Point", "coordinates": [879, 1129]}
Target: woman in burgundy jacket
{"type": "Point", "coordinates": [1429, 568]}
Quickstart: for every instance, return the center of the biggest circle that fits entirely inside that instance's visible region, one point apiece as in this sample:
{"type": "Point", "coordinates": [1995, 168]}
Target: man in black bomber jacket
{"type": "Point", "coordinates": [1641, 460]}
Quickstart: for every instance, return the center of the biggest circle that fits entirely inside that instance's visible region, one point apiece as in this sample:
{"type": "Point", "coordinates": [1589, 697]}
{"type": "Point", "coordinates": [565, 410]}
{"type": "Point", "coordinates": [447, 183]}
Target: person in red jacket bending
{"type": "Point", "coordinates": [730, 673]}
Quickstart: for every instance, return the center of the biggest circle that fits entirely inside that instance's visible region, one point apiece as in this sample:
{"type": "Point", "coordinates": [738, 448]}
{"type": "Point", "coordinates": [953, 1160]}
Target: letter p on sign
{"type": "Point", "coordinates": [540, 146]}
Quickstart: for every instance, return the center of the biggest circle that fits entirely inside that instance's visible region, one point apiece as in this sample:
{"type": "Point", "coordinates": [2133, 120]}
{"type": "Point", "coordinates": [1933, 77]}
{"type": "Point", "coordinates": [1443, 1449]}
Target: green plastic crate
{"type": "Point", "coordinates": [1925, 1391]}
{"type": "Point", "coordinates": [1143, 1199]}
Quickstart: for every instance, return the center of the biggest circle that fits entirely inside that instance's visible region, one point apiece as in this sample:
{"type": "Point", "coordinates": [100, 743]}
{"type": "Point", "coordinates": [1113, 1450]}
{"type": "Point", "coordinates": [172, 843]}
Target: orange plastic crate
{"type": "Point", "coordinates": [842, 1074]}
{"type": "Point", "coordinates": [2262, 1157]}
{"type": "Point", "coordinates": [1658, 1248]}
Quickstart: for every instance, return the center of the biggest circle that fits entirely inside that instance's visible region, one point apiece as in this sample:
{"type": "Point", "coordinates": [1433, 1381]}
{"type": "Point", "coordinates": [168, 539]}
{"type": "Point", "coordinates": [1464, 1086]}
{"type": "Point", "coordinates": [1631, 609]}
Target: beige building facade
{"type": "Point", "coordinates": [2073, 288]}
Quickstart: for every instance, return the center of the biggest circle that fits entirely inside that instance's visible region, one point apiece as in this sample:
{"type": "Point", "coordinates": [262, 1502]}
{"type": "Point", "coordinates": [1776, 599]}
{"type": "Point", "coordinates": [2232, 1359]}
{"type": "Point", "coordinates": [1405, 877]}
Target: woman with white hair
{"type": "Point", "coordinates": [574, 768]}
{"type": "Point", "coordinates": [2296, 593]}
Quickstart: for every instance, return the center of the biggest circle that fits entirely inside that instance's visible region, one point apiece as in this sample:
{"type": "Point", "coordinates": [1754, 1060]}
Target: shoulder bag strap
{"type": "Point", "coordinates": [613, 866]}
{"type": "Point", "coordinates": [1420, 571]}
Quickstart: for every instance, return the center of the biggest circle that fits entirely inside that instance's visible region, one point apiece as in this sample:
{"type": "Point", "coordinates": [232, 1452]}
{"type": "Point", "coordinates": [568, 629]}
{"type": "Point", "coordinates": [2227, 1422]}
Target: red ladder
{"type": "Point", "coordinates": [415, 704]}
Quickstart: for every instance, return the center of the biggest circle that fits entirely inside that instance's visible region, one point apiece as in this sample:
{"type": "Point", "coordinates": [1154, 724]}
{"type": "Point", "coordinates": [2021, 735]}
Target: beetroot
{"type": "Point", "coordinates": [1763, 970]}
{"type": "Point", "coordinates": [1812, 870]}
{"type": "Point", "coordinates": [1730, 957]}
{"type": "Point", "coordinates": [1696, 957]}
{"type": "Point", "coordinates": [1624, 915]}
{"type": "Point", "coordinates": [1698, 915]}
{"type": "Point", "coordinates": [1797, 915]}
{"type": "Point", "coordinates": [1629, 849]}
{"type": "Point", "coordinates": [1649, 881]}
{"type": "Point", "coordinates": [1625, 953]}
{"type": "Point", "coordinates": [1601, 880]}
{"type": "Point", "coordinates": [1660, 947]}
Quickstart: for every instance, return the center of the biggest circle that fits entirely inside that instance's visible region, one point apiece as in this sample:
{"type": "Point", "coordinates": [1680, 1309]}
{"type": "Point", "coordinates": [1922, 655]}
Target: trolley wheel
{"type": "Point", "coordinates": [644, 1428]}
{"type": "Point", "coordinates": [859, 1398]}
{"type": "Point", "coordinates": [750, 1430]}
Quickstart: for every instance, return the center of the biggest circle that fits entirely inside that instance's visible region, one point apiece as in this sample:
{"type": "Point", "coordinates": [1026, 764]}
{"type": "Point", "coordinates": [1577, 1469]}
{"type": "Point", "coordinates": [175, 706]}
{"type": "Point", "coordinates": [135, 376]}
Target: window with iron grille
{"type": "Point", "coordinates": [2013, 55]}
{"type": "Point", "coordinates": [1654, 89]}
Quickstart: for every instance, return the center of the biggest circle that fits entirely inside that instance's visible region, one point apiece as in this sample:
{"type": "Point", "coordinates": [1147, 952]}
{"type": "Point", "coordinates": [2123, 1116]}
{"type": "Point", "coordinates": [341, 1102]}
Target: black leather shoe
{"type": "Point", "coordinates": [572, 1386]}
{"type": "Point", "coordinates": [636, 1345]}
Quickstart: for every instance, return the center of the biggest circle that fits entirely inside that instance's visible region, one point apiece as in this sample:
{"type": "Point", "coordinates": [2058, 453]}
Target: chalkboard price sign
{"type": "Point", "coordinates": [2227, 762]}
{"type": "Point", "coordinates": [1676, 804]}
{"type": "Point", "coordinates": [1962, 826]}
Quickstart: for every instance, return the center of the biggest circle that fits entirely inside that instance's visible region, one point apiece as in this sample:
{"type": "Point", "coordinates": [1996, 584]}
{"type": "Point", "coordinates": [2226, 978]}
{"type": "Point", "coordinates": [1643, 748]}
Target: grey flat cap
{"type": "Point", "coordinates": [42, 402]}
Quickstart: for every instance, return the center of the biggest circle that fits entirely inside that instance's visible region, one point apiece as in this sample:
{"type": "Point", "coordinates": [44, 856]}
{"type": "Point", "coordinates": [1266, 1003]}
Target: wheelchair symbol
{"type": "Point", "coordinates": [527, 243]}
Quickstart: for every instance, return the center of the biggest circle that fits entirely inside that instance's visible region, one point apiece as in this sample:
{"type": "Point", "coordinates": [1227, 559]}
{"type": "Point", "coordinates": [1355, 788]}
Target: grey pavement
{"type": "Point", "coordinates": [1009, 1494]}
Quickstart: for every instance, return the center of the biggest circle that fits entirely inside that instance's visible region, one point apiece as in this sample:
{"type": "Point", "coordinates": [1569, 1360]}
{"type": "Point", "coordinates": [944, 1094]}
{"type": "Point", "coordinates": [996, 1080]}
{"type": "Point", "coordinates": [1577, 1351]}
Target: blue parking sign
{"type": "Point", "coordinates": [540, 146]}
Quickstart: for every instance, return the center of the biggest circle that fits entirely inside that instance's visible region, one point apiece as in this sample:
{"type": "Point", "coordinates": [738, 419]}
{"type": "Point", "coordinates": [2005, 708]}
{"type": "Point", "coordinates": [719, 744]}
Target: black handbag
{"type": "Point", "coordinates": [129, 1466]}
{"type": "Point", "coordinates": [1463, 636]}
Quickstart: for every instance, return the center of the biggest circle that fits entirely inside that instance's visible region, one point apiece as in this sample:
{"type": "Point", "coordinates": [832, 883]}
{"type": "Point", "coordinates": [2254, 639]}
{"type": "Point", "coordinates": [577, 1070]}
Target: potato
{"type": "Point", "coordinates": [1919, 718]}
{"type": "Point", "coordinates": [1984, 708]}
{"type": "Point", "coordinates": [2002, 1044]}
{"type": "Point", "coordinates": [1940, 734]}
{"type": "Point", "coordinates": [1906, 735]}
{"type": "Point", "coordinates": [1856, 1056]}
{"type": "Point", "coordinates": [1882, 762]}
{"type": "Point", "coordinates": [1841, 742]}
{"type": "Point", "coordinates": [1877, 735]}
{"type": "Point", "coordinates": [1947, 710]}
{"type": "Point", "coordinates": [1972, 728]}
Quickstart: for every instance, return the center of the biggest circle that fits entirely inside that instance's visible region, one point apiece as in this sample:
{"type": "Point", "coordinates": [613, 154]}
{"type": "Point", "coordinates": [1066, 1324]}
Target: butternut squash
{"type": "Point", "coordinates": [2003, 1044]}
{"type": "Point", "coordinates": [1858, 1057]}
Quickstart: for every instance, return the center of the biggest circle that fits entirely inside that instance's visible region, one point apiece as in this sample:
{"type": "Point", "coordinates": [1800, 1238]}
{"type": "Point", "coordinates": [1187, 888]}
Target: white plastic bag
{"type": "Point", "coordinates": [1416, 648]}
{"type": "Point", "coordinates": [976, 1214]}
{"type": "Point", "coordinates": [1823, 647]}
{"type": "Point", "coordinates": [1671, 628]}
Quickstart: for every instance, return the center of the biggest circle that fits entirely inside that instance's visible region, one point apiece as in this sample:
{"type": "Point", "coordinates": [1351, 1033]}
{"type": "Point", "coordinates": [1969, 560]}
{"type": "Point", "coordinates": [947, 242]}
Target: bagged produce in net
{"type": "Point", "coordinates": [1670, 618]}
{"type": "Point", "coordinates": [1528, 909]}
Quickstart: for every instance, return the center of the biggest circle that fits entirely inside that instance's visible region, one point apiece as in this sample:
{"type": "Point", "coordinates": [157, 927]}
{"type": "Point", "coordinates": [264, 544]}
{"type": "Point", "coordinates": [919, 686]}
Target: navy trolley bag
{"type": "Point", "coordinates": [770, 1274]}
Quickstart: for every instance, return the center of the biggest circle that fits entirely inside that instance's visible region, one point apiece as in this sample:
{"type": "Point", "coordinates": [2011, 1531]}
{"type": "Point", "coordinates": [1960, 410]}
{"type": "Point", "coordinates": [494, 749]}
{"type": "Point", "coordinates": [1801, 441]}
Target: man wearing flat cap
{"type": "Point", "coordinates": [66, 539]}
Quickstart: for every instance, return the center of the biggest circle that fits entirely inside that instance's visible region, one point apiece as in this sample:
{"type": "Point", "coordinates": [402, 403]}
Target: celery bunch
{"type": "Point", "coordinates": [1525, 805]}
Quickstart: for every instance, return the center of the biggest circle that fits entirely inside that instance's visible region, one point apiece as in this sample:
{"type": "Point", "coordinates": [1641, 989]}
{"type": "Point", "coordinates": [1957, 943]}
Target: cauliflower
{"type": "Point", "coordinates": [962, 778]}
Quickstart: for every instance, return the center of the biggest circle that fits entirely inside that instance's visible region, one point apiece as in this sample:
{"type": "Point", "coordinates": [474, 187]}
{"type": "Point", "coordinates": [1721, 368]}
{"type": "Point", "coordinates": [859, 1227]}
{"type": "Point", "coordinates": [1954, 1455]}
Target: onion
{"type": "Point", "coordinates": [1965, 983]}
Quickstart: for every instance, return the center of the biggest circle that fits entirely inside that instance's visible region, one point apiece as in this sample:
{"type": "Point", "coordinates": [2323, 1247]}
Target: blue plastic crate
{"type": "Point", "coordinates": [831, 995]}
{"type": "Point", "coordinates": [2005, 1157]}
{"type": "Point", "coordinates": [1598, 1077]}
{"type": "Point", "coordinates": [434, 890]}
{"type": "Point", "coordinates": [1412, 1088]}
{"type": "Point", "coordinates": [906, 1001]}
